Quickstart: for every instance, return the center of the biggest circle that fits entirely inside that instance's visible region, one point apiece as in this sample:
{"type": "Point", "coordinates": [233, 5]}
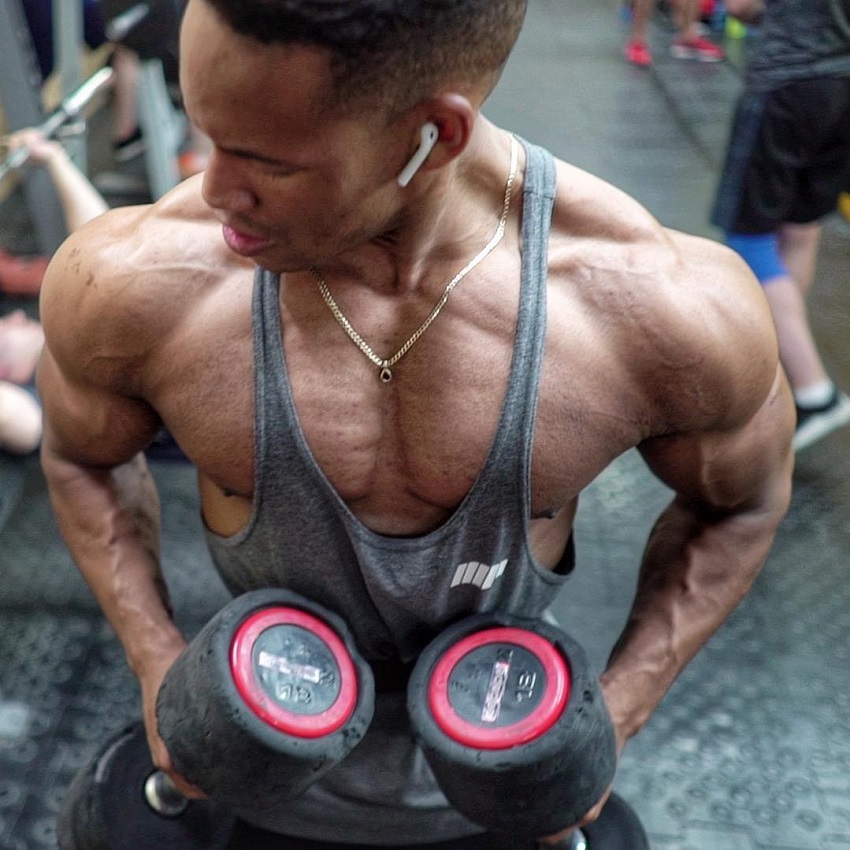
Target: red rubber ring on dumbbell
{"type": "Point", "coordinates": [250, 689]}
{"type": "Point", "coordinates": [529, 728]}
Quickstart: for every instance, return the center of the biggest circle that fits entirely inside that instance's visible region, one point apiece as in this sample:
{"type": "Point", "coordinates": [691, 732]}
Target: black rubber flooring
{"type": "Point", "coordinates": [751, 748]}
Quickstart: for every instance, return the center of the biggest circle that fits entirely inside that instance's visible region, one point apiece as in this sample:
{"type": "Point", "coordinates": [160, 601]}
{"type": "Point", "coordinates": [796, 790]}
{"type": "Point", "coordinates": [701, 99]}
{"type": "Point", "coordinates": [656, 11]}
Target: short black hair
{"type": "Point", "coordinates": [389, 53]}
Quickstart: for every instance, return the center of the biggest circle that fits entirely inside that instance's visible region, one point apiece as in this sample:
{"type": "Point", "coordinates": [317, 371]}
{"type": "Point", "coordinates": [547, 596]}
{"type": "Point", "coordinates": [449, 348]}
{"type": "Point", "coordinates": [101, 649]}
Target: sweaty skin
{"type": "Point", "coordinates": [655, 339]}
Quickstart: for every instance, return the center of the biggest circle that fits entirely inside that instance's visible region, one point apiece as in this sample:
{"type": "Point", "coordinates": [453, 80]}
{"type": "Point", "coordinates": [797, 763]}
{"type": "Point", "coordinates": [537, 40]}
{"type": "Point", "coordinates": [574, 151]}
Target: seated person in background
{"type": "Point", "coordinates": [21, 337]}
{"type": "Point", "coordinates": [79, 199]}
{"type": "Point", "coordinates": [126, 136]}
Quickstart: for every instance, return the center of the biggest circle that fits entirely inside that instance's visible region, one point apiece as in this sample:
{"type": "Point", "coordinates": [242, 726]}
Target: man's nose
{"type": "Point", "coordinates": [223, 187]}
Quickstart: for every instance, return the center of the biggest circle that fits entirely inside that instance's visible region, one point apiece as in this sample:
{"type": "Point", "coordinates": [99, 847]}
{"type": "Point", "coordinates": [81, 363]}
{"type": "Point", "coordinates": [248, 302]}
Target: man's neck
{"type": "Point", "coordinates": [445, 227]}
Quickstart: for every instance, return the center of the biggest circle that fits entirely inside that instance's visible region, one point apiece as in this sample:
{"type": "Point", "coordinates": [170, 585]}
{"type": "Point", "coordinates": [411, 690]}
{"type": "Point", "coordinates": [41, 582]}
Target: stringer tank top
{"type": "Point", "coordinates": [395, 593]}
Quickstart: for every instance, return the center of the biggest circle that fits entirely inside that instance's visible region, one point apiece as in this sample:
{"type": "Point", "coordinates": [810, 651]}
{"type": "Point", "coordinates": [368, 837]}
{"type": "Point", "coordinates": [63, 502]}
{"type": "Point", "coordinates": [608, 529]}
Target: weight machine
{"type": "Point", "coordinates": [162, 125]}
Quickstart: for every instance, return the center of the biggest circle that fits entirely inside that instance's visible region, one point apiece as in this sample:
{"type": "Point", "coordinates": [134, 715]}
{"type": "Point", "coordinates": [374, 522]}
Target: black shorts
{"type": "Point", "coordinates": [788, 157]}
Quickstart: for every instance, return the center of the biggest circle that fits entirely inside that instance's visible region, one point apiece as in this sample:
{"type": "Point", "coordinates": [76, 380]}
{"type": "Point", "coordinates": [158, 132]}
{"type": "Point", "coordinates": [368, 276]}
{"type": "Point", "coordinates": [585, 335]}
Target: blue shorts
{"type": "Point", "coordinates": [761, 253]}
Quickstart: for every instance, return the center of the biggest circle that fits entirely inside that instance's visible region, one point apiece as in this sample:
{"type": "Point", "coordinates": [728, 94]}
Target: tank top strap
{"type": "Point", "coordinates": [538, 202]}
{"type": "Point", "coordinates": [509, 463]}
{"type": "Point", "coordinates": [274, 406]}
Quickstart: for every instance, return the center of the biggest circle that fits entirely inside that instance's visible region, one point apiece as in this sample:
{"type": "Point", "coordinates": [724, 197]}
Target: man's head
{"type": "Point", "coordinates": [315, 107]}
{"type": "Point", "coordinates": [390, 54]}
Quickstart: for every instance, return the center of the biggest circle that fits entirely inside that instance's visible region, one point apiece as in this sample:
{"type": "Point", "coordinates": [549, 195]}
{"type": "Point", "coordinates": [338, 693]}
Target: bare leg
{"type": "Point", "coordinates": [126, 65]}
{"type": "Point", "coordinates": [20, 420]}
{"type": "Point", "coordinates": [687, 12]}
{"type": "Point", "coordinates": [637, 51]}
{"type": "Point", "coordinates": [641, 13]}
{"type": "Point", "coordinates": [798, 245]}
{"type": "Point", "coordinates": [797, 349]}
{"type": "Point", "coordinates": [689, 44]}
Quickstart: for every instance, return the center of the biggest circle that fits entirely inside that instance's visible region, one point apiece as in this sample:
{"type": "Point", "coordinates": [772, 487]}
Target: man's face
{"type": "Point", "coordinates": [293, 183]}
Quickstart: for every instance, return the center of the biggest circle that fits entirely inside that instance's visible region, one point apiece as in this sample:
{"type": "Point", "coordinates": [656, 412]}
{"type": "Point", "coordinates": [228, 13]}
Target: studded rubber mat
{"type": "Point", "coordinates": [749, 751]}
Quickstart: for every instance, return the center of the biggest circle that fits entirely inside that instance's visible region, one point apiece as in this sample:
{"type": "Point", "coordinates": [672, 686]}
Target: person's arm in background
{"type": "Point", "coordinates": [746, 11]}
{"type": "Point", "coordinates": [80, 201]}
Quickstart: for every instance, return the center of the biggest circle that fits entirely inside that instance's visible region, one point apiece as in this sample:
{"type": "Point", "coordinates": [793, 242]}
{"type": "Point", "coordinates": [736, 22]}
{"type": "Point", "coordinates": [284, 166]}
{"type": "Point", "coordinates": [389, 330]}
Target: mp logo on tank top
{"type": "Point", "coordinates": [480, 575]}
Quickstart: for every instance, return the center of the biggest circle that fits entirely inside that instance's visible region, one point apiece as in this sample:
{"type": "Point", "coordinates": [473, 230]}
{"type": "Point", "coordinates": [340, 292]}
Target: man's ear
{"type": "Point", "coordinates": [428, 135]}
{"type": "Point", "coordinates": [445, 128]}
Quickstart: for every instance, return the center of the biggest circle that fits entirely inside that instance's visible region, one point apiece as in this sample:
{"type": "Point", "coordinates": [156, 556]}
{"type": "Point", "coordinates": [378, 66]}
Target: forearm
{"type": "Point", "coordinates": [694, 573]}
{"type": "Point", "coordinates": [80, 201]}
{"type": "Point", "coordinates": [109, 519]}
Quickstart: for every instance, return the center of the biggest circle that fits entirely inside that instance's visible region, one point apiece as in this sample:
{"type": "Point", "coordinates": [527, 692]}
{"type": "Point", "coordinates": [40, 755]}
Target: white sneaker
{"type": "Point", "coordinates": [813, 424]}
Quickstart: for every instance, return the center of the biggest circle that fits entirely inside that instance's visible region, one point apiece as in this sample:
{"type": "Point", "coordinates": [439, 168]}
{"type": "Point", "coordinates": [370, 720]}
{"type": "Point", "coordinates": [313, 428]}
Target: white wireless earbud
{"type": "Point", "coordinates": [428, 139]}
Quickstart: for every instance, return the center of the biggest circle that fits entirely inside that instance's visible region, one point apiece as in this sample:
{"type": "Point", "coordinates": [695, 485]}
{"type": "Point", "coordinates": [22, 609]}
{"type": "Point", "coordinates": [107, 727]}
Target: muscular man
{"type": "Point", "coordinates": [357, 434]}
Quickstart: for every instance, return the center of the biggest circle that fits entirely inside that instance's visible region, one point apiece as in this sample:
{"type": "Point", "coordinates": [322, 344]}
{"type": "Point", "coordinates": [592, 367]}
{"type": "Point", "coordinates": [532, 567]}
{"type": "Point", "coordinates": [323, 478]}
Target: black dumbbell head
{"type": "Point", "coordinates": [269, 695]}
{"type": "Point", "coordinates": [498, 688]}
{"type": "Point", "coordinates": [294, 672]}
{"type": "Point", "coordinates": [513, 724]}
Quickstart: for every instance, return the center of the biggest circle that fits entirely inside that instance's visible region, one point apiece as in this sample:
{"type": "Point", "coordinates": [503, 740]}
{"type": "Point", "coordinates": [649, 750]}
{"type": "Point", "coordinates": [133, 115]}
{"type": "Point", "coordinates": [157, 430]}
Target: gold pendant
{"type": "Point", "coordinates": [385, 375]}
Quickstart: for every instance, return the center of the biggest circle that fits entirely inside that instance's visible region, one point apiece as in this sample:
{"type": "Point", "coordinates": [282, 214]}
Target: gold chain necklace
{"type": "Point", "coordinates": [385, 365]}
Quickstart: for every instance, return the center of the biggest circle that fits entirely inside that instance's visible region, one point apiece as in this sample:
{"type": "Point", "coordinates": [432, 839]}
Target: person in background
{"type": "Point", "coordinates": [80, 201]}
{"type": "Point", "coordinates": [787, 163]}
{"type": "Point", "coordinates": [689, 43]}
{"type": "Point", "coordinates": [21, 337]}
{"type": "Point", "coordinates": [127, 141]}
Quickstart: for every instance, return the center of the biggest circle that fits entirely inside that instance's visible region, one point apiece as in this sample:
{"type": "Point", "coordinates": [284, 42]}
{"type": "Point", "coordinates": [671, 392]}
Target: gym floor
{"type": "Point", "coordinates": [751, 748]}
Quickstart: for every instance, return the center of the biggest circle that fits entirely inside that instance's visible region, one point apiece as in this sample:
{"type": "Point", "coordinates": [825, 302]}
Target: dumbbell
{"type": "Point", "coordinates": [513, 724]}
{"type": "Point", "coordinates": [120, 801]}
{"type": "Point", "coordinates": [267, 697]}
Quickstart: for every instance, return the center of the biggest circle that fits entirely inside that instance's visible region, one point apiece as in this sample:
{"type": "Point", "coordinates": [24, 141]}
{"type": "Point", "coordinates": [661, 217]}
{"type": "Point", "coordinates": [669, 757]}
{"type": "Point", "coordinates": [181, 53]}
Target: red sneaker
{"type": "Point", "coordinates": [638, 53]}
{"type": "Point", "coordinates": [697, 48]}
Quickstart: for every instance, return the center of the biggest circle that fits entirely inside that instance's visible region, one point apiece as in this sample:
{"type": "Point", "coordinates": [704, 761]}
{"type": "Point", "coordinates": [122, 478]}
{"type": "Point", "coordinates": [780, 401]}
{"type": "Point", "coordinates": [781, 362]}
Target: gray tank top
{"type": "Point", "coordinates": [396, 593]}
{"type": "Point", "coordinates": [800, 39]}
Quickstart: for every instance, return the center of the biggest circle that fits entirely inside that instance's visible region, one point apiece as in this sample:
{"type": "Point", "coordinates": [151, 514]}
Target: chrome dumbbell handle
{"type": "Point", "coordinates": [574, 841]}
{"type": "Point", "coordinates": [163, 797]}
{"type": "Point", "coordinates": [122, 25]}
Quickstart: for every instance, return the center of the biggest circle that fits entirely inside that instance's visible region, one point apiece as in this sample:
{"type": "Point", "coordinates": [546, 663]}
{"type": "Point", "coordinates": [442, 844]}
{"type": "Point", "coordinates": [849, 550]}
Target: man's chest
{"type": "Point", "coordinates": [401, 454]}
{"type": "Point", "coordinates": [402, 465]}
